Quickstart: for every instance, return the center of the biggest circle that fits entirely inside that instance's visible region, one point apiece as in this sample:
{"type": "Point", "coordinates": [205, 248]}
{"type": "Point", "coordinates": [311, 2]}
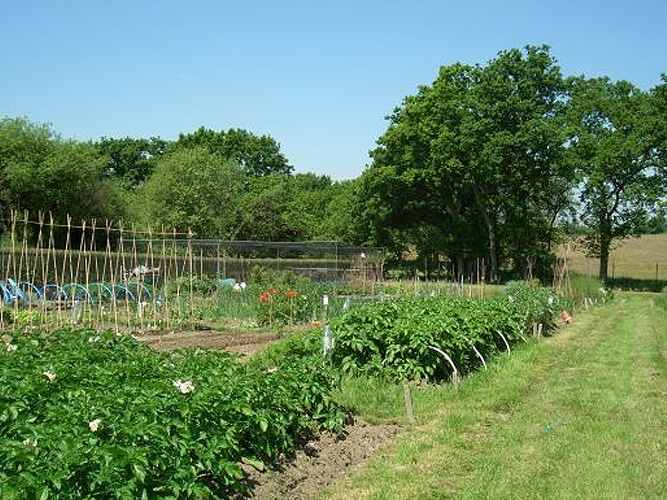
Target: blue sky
{"type": "Point", "coordinates": [319, 77]}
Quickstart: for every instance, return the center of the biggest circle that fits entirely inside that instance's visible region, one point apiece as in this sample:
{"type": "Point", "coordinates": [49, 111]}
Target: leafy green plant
{"type": "Point", "coordinates": [88, 414]}
{"type": "Point", "coordinates": [396, 338]}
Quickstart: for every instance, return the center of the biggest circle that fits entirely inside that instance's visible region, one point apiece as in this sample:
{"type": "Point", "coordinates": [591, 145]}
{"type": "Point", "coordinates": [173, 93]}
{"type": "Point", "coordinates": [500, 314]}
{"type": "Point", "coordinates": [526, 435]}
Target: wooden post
{"type": "Point", "coordinates": [407, 395]}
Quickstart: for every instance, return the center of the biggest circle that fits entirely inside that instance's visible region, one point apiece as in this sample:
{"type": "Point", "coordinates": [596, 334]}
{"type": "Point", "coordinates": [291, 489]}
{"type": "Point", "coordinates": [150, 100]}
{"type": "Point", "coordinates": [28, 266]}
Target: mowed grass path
{"type": "Point", "coordinates": [582, 414]}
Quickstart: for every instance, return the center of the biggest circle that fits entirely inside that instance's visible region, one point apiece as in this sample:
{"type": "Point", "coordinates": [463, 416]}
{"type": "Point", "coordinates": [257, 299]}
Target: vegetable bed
{"type": "Point", "coordinates": [396, 338]}
{"type": "Point", "coordinates": [84, 414]}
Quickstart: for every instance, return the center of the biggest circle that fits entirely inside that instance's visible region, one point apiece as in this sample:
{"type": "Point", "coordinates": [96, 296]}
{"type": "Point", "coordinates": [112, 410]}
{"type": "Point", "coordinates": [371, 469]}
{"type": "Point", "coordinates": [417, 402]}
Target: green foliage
{"type": "Point", "coordinates": [294, 347]}
{"type": "Point", "coordinates": [341, 219]}
{"type": "Point", "coordinates": [280, 306]}
{"type": "Point", "coordinates": [193, 189]}
{"type": "Point", "coordinates": [268, 211]}
{"type": "Point", "coordinates": [129, 160]}
{"type": "Point", "coordinates": [393, 338]}
{"type": "Point", "coordinates": [534, 303]}
{"type": "Point", "coordinates": [197, 285]}
{"type": "Point", "coordinates": [19, 317]}
{"type": "Point", "coordinates": [471, 166]}
{"type": "Point", "coordinates": [92, 415]}
{"type": "Point", "coordinates": [617, 157]}
{"type": "Point", "coordinates": [41, 172]}
{"type": "Point", "coordinates": [21, 143]}
{"type": "Point", "coordinates": [280, 207]}
{"type": "Point", "coordinates": [285, 298]}
{"type": "Point", "coordinates": [256, 155]}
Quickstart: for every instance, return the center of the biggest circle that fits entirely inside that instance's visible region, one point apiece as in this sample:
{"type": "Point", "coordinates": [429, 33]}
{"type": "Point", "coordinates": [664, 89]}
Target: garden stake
{"type": "Point", "coordinates": [407, 395]}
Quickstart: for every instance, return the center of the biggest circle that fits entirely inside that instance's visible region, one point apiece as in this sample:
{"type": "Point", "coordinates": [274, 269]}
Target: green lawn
{"type": "Point", "coordinates": [580, 415]}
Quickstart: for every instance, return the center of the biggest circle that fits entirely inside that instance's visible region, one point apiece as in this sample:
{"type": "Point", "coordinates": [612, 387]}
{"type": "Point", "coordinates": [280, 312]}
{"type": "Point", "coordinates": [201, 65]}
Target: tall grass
{"type": "Point", "coordinates": [642, 258]}
{"type": "Point", "coordinates": [585, 290]}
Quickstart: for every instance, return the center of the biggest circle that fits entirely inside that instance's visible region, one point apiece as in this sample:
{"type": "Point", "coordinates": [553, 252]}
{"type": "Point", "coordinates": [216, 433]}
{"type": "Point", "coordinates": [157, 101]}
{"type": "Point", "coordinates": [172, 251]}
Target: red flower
{"type": "Point", "coordinates": [274, 292]}
{"type": "Point", "coordinates": [291, 293]}
{"type": "Point", "coordinates": [264, 297]}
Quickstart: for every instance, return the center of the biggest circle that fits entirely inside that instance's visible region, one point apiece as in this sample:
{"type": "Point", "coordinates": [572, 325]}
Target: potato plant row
{"type": "Point", "coordinates": [395, 338]}
{"type": "Point", "coordinates": [84, 414]}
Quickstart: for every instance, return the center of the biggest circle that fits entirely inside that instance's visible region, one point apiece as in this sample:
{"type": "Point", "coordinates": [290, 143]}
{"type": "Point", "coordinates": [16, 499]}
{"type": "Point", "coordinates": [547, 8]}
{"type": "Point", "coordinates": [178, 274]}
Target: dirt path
{"type": "Point", "coordinates": [323, 460]}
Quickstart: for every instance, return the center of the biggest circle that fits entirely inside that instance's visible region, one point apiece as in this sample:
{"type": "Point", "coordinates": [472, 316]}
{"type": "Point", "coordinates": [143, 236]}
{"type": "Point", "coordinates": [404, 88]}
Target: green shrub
{"type": "Point", "coordinates": [198, 285]}
{"type": "Point", "coordinates": [536, 304]}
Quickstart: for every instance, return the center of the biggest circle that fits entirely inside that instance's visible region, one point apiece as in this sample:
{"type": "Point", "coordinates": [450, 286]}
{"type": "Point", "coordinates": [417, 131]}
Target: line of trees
{"type": "Point", "coordinates": [494, 162]}
{"type": "Point", "coordinates": [219, 184]}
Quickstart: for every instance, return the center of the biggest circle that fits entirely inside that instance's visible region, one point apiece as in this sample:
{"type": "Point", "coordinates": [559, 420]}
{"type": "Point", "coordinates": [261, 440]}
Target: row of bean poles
{"type": "Point", "coordinates": [96, 278]}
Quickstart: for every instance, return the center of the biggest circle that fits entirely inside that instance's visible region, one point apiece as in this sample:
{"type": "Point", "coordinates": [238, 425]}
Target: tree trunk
{"type": "Point", "coordinates": [491, 231]}
{"type": "Point", "coordinates": [493, 256]}
{"type": "Point", "coordinates": [605, 246]}
{"type": "Point", "coordinates": [604, 260]}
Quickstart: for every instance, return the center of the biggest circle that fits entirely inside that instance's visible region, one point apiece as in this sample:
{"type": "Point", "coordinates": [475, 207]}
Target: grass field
{"type": "Point", "coordinates": [639, 258]}
{"type": "Point", "coordinates": [579, 415]}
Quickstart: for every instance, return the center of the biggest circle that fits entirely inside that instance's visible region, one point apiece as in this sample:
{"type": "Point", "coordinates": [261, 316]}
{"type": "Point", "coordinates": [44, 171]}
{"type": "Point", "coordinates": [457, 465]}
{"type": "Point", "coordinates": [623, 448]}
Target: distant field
{"type": "Point", "coordinates": [639, 258]}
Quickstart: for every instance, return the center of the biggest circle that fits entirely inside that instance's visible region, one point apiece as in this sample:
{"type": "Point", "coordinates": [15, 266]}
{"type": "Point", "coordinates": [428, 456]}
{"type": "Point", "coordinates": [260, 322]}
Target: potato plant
{"type": "Point", "coordinates": [84, 414]}
{"type": "Point", "coordinates": [394, 338]}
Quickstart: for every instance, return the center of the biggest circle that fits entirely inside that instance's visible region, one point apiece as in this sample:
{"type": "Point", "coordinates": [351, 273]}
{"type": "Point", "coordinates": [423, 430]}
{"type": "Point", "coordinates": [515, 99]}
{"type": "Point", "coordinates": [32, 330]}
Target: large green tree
{"type": "Point", "coordinates": [193, 189]}
{"type": "Point", "coordinates": [472, 165]}
{"type": "Point", "coordinates": [130, 160]}
{"type": "Point", "coordinates": [42, 173]}
{"type": "Point", "coordinates": [21, 143]}
{"type": "Point", "coordinates": [617, 154]}
{"type": "Point", "coordinates": [257, 155]}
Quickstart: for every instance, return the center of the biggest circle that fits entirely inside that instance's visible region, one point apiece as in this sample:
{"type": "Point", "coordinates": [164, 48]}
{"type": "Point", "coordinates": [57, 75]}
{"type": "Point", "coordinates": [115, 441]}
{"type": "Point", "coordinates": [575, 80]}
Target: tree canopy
{"type": "Point", "coordinates": [40, 172]}
{"type": "Point", "coordinates": [478, 151]}
{"type": "Point", "coordinates": [130, 160]}
{"type": "Point", "coordinates": [485, 164]}
{"type": "Point", "coordinates": [194, 190]}
{"type": "Point", "coordinates": [617, 158]}
{"type": "Point", "coordinates": [257, 155]}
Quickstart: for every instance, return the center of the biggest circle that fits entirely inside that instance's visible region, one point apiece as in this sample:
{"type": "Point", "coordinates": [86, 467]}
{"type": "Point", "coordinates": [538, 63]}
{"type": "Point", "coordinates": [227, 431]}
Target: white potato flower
{"type": "Point", "coordinates": [184, 386]}
{"type": "Point", "coordinates": [50, 375]}
{"type": "Point", "coordinates": [94, 425]}
{"type": "Point", "coordinates": [30, 443]}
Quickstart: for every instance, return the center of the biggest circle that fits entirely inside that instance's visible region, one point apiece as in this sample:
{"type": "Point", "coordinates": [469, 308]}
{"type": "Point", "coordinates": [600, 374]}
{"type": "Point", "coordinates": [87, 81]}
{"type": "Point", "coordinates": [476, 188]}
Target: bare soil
{"type": "Point", "coordinates": [244, 343]}
{"type": "Point", "coordinates": [321, 461]}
